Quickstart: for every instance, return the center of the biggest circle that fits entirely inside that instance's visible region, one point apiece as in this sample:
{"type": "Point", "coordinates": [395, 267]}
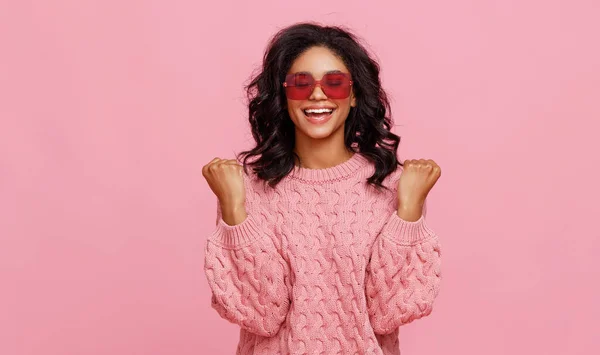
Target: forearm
{"type": "Point", "coordinates": [248, 277]}
{"type": "Point", "coordinates": [403, 274]}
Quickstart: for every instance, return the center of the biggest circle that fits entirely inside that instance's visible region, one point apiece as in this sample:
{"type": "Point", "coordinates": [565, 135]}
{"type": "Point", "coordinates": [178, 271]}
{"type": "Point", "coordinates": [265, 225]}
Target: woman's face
{"type": "Point", "coordinates": [319, 61]}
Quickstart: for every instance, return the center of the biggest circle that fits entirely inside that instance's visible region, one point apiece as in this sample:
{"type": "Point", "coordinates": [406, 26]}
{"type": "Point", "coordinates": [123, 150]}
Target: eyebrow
{"type": "Point", "coordinates": [336, 71]}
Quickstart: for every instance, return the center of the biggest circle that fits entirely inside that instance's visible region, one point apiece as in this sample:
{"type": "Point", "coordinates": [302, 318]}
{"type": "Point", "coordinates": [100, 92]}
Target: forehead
{"type": "Point", "coordinates": [318, 61]}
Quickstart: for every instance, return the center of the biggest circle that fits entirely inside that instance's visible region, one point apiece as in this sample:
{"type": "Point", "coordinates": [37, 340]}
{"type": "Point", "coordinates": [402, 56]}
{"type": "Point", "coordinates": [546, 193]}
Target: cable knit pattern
{"type": "Point", "coordinates": [322, 265]}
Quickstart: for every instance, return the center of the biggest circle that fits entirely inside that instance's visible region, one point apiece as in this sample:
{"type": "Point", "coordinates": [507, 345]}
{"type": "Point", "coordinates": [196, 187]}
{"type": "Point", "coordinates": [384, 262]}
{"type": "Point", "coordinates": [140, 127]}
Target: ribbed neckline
{"type": "Point", "coordinates": [337, 172]}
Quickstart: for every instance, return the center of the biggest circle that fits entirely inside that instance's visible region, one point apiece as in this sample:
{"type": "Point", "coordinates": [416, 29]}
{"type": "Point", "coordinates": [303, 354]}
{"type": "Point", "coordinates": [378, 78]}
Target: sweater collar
{"type": "Point", "coordinates": [337, 172]}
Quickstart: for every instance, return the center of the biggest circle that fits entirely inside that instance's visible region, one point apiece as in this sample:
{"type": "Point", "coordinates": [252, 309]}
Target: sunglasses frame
{"type": "Point", "coordinates": [318, 82]}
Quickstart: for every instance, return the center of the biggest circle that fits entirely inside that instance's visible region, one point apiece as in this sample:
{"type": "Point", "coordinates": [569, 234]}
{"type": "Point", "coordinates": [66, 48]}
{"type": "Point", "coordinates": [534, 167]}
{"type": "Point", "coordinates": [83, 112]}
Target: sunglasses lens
{"type": "Point", "coordinates": [336, 86]}
{"type": "Point", "coordinates": [300, 86]}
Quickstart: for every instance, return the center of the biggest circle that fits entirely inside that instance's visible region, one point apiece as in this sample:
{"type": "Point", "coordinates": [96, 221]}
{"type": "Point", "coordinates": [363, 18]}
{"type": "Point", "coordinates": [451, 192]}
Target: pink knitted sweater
{"type": "Point", "coordinates": [322, 264]}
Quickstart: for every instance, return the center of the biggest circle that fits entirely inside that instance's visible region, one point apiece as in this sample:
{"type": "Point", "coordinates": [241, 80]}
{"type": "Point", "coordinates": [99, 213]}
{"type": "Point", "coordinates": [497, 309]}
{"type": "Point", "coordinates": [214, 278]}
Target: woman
{"type": "Point", "coordinates": [322, 248]}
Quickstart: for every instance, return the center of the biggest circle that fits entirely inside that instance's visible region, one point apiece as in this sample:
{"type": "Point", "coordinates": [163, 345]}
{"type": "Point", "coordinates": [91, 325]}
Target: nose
{"type": "Point", "coordinates": [317, 93]}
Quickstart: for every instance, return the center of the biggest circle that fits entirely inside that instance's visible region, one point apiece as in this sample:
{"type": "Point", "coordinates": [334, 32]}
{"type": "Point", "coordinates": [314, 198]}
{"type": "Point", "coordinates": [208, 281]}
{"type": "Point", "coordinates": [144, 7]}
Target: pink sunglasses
{"type": "Point", "coordinates": [299, 86]}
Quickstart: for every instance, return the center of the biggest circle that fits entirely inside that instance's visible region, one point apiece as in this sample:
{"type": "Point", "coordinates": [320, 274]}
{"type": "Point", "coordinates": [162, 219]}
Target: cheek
{"type": "Point", "coordinates": [344, 106]}
{"type": "Point", "coordinates": [293, 109]}
{"type": "Point", "coordinates": [289, 105]}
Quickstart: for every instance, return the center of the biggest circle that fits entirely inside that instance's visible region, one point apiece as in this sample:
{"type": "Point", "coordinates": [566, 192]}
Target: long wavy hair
{"type": "Point", "coordinates": [367, 126]}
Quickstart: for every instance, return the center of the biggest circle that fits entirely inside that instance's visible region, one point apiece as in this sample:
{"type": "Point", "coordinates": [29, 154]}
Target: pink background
{"type": "Point", "coordinates": [109, 110]}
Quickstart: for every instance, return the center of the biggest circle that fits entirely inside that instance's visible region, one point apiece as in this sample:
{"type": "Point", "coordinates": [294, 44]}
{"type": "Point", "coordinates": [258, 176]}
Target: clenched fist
{"type": "Point", "coordinates": [227, 183]}
{"type": "Point", "coordinates": [416, 180]}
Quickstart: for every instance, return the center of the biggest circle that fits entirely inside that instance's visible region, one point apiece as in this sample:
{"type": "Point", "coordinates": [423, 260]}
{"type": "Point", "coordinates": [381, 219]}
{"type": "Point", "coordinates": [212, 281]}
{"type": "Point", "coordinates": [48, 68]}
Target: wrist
{"type": "Point", "coordinates": [234, 213]}
{"type": "Point", "coordinates": [410, 212]}
{"type": "Point", "coordinates": [231, 205]}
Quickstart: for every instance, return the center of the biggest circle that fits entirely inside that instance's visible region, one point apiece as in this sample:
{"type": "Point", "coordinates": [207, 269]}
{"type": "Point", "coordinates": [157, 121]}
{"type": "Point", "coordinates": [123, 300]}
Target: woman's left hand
{"type": "Point", "coordinates": [416, 180]}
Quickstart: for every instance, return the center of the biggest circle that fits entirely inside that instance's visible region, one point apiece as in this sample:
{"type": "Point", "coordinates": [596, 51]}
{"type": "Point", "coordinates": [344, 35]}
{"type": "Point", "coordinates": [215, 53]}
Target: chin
{"type": "Point", "coordinates": [322, 132]}
{"type": "Point", "coordinates": [318, 135]}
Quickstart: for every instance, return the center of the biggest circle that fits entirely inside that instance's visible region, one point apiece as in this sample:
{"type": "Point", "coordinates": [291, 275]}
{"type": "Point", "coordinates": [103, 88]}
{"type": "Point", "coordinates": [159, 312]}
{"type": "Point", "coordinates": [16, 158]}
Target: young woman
{"type": "Point", "coordinates": [321, 246]}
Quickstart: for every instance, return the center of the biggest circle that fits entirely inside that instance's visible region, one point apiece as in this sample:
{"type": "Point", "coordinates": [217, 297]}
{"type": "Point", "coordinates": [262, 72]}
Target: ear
{"type": "Point", "coordinates": [353, 100]}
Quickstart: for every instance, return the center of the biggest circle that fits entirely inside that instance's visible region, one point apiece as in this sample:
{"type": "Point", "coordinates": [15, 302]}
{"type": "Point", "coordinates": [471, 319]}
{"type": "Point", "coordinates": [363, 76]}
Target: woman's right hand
{"type": "Point", "coordinates": [227, 183]}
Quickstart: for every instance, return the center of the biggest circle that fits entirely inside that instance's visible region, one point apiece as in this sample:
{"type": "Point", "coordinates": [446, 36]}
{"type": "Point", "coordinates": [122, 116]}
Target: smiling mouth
{"type": "Point", "coordinates": [318, 115]}
{"type": "Point", "coordinates": [315, 112]}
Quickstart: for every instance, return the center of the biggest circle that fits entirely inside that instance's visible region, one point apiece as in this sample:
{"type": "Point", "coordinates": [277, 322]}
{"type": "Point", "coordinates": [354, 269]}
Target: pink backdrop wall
{"type": "Point", "coordinates": [109, 109]}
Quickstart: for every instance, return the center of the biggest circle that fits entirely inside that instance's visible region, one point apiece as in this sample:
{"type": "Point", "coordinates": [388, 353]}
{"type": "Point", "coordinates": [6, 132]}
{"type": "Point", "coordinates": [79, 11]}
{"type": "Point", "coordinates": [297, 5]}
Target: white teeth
{"type": "Point", "coordinates": [320, 110]}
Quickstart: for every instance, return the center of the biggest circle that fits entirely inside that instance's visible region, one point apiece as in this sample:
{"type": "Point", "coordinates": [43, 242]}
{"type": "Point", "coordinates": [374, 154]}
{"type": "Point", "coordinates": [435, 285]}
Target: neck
{"type": "Point", "coordinates": [321, 153]}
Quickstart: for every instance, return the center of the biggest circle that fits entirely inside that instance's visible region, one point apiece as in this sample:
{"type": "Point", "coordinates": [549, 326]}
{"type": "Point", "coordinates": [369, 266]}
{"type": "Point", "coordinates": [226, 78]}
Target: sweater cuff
{"type": "Point", "coordinates": [238, 236]}
{"type": "Point", "coordinates": [406, 233]}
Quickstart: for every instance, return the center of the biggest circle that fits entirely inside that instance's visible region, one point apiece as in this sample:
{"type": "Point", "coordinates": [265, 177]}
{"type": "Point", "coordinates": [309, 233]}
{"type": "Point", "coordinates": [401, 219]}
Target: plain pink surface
{"type": "Point", "coordinates": [109, 110]}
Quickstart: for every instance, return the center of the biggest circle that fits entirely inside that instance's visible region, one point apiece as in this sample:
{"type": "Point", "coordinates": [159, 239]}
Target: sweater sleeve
{"type": "Point", "coordinates": [248, 277]}
{"type": "Point", "coordinates": [403, 274]}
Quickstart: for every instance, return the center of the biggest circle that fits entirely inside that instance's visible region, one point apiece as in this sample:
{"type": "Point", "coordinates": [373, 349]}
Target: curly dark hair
{"type": "Point", "coordinates": [367, 126]}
